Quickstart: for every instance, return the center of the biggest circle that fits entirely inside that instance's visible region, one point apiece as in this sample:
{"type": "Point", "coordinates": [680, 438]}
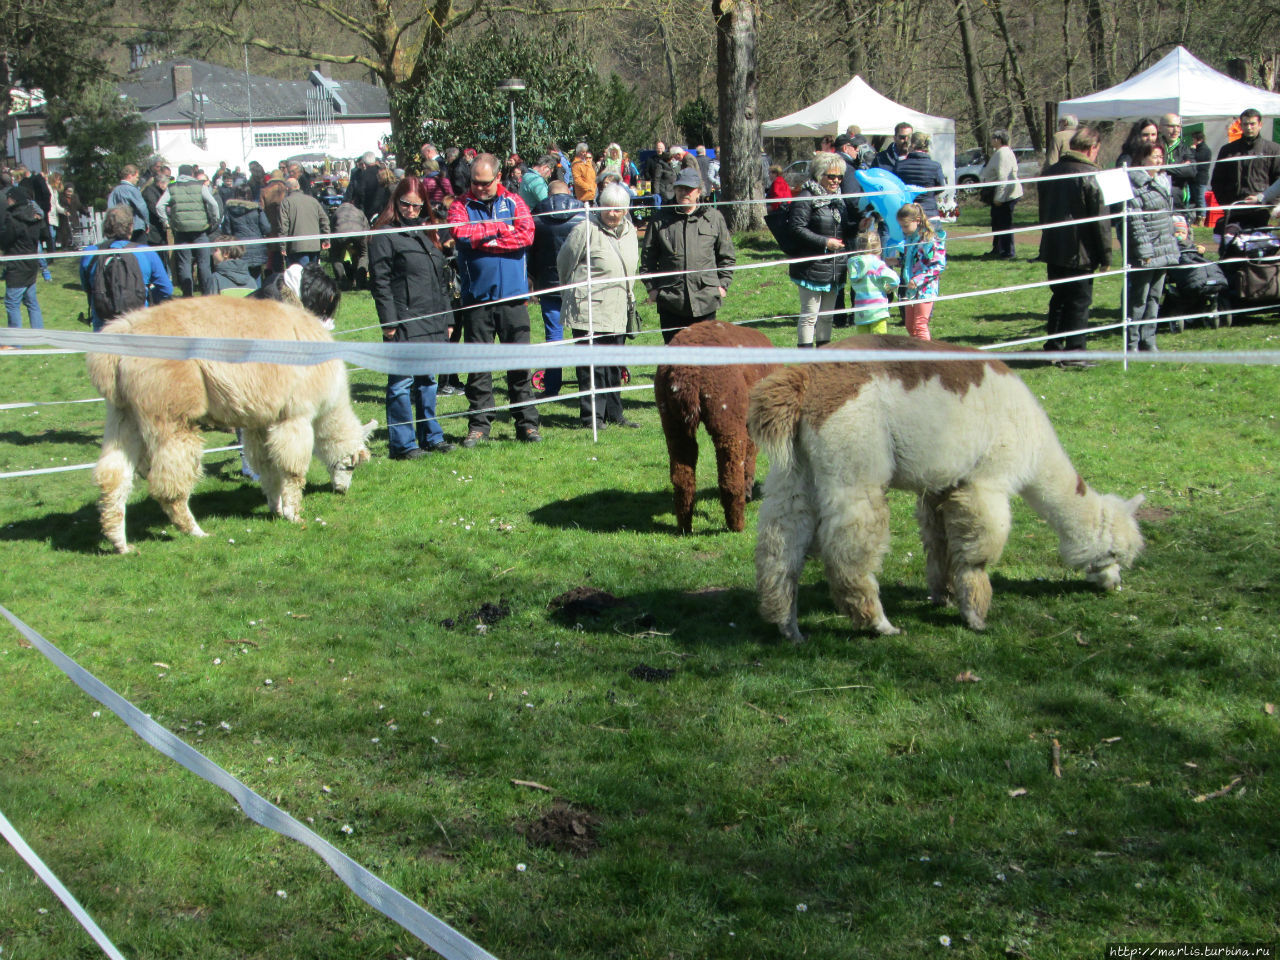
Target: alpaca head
{"type": "Point", "coordinates": [341, 470]}
{"type": "Point", "coordinates": [1114, 545]}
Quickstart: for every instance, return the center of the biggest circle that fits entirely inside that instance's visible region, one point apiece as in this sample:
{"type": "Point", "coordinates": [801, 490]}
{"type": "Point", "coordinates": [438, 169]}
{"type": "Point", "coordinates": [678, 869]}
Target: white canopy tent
{"type": "Point", "coordinates": [1181, 84]}
{"type": "Point", "coordinates": [858, 102]}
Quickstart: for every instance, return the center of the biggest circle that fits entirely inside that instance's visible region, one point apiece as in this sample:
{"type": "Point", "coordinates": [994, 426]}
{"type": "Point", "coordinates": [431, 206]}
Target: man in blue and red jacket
{"type": "Point", "coordinates": [493, 229]}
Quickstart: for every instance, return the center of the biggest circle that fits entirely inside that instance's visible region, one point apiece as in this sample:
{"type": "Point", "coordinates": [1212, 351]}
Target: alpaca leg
{"type": "Point", "coordinates": [783, 537]}
{"type": "Point", "coordinates": [682, 452]}
{"type": "Point", "coordinates": [977, 525]}
{"type": "Point", "coordinates": [255, 449]}
{"type": "Point", "coordinates": [730, 454]}
{"type": "Point", "coordinates": [122, 454]}
{"type": "Point", "coordinates": [853, 536]}
{"type": "Point", "coordinates": [749, 468]}
{"type": "Point", "coordinates": [933, 534]}
{"type": "Point", "coordinates": [288, 450]}
{"type": "Point", "coordinates": [175, 470]}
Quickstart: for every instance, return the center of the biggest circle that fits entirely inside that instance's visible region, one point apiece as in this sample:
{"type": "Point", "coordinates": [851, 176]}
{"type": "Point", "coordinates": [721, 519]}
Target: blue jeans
{"type": "Point", "coordinates": [14, 297]}
{"type": "Point", "coordinates": [405, 395]}
{"type": "Point", "coordinates": [553, 376]}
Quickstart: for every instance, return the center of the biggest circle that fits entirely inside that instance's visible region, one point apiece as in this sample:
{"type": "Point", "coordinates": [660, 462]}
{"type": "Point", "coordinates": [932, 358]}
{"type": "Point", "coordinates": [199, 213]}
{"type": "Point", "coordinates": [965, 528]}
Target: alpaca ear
{"type": "Point", "coordinates": [1133, 504]}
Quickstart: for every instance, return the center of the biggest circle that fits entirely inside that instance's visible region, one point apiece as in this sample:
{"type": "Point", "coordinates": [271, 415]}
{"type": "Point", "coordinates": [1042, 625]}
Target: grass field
{"type": "Point", "coordinates": [849, 797]}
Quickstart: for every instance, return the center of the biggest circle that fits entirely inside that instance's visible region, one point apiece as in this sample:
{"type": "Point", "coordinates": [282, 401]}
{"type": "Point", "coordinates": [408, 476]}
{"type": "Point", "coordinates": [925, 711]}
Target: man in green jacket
{"type": "Point", "coordinates": [190, 210]}
{"type": "Point", "coordinates": [691, 241]}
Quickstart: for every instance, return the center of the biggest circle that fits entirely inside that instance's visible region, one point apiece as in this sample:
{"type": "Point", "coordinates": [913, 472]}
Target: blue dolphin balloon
{"type": "Point", "coordinates": [889, 194]}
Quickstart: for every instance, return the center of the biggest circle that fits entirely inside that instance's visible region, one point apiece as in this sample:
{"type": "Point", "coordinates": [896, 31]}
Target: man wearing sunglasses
{"type": "Point", "coordinates": [493, 229]}
{"type": "Point", "coordinates": [897, 150]}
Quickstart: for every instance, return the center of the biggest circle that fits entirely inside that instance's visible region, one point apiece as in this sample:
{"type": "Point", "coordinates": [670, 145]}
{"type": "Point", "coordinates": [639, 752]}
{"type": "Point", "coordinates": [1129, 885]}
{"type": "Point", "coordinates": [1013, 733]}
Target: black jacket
{"type": "Point", "coordinates": [662, 175]}
{"type": "Point", "coordinates": [20, 233]}
{"type": "Point", "coordinates": [920, 170]}
{"type": "Point", "coordinates": [813, 219]}
{"type": "Point", "coordinates": [410, 282]}
{"type": "Point", "coordinates": [1233, 180]}
{"type": "Point", "coordinates": [1084, 246]}
{"type": "Point", "coordinates": [246, 220]}
{"type": "Point", "coordinates": [553, 220]}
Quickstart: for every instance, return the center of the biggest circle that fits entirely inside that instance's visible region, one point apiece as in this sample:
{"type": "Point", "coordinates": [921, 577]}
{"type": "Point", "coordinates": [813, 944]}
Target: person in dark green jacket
{"type": "Point", "coordinates": [691, 241]}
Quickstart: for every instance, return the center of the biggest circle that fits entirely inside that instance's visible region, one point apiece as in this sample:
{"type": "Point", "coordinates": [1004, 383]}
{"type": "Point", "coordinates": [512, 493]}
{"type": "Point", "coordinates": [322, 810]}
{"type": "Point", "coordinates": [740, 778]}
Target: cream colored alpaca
{"type": "Point", "coordinates": [155, 409]}
{"type": "Point", "coordinates": [963, 435]}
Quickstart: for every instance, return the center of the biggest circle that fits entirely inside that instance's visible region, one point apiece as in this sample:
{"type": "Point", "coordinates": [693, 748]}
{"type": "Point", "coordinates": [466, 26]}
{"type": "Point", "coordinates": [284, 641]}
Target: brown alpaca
{"type": "Point", "coordinates": [716, 397]}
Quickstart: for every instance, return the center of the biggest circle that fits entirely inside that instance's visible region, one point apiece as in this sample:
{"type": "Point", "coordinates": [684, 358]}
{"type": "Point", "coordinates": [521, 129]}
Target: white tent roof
{"type": "Point", "coordinates": [1179, 84]}
{"type": "Point", "coordinates": [856, 102]}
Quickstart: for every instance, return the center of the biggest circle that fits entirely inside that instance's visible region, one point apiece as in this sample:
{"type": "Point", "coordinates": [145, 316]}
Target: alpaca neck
{"type": "Point", "coordinates": [1059, 495]}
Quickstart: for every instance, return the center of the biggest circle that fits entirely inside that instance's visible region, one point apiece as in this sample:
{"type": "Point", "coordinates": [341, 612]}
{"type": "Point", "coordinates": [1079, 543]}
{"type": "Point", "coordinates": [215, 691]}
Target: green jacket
{"type": "Point", "coordinates": [187, 210]}
{"type": "Point", "coordinates": [699, 243]}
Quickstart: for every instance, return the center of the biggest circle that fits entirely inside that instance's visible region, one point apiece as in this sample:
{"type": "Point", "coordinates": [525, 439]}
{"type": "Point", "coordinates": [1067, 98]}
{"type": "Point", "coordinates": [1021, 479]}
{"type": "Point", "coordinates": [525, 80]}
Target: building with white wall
{"type": "Point", "coordinates": [205, 114]}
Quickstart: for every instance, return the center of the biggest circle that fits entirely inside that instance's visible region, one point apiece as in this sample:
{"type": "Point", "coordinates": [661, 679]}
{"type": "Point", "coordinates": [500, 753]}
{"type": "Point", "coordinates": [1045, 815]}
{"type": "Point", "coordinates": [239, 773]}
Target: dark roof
{"type": "Point", "coordinates": [226, 96]}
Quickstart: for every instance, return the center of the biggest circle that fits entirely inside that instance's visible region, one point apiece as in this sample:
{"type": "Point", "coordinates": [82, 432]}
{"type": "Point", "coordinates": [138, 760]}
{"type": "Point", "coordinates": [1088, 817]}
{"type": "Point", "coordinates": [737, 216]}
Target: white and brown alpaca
{"type": "Point", "coordinates": [717, 398]}
{"type": "Point", "coordinates": [156, 407]}
{"type": "Point", "coordinates": [962, 434]}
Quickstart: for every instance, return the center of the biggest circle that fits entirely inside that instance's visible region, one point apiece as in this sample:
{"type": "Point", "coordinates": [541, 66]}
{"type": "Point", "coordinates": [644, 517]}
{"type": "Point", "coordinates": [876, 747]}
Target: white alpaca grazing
{"type": "Point", "coordinates": [963, 435]}
{"type": "Point", "coordinates": [155, 409]}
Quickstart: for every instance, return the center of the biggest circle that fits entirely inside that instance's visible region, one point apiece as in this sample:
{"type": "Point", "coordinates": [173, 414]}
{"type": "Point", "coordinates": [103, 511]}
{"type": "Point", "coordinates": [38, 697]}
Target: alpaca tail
{"type": "Point", "coordinates": [104, 367]}
{"type": "Point", "coordinates": [773, 417]}
{"type": "Point", "coordinates": [677, 390]}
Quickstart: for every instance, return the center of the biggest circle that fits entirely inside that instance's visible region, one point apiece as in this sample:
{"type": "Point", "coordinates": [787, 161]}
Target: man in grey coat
{"type": "Point", "coordinates": [691, 241]}
{"type": "Point", "coordinates": [126, 193]}
{"type": "Point", "coordinates": [301, 215]}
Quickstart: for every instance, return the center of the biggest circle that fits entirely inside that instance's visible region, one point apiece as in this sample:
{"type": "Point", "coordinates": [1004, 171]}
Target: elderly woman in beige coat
{"type": "Point", "coordinates": [598, 313]}
{"type": "Point", "coordinates": [1002, 169]}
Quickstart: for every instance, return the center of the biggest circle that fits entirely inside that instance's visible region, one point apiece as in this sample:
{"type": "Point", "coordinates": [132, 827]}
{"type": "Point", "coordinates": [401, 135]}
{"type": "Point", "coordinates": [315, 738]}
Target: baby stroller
{"type": "Point", "coordinates": [1253, 267]}
{"type": "Point", "coordinates": [1196, 288]}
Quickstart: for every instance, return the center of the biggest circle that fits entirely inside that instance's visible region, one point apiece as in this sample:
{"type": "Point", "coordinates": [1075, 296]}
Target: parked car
{"type": "Point", "coordinates": [969, 165]}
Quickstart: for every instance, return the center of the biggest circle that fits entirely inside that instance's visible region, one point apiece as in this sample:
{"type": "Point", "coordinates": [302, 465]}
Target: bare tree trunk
{"type": "Point", "coordinates": [740, 143]}
{"type": "Point", "coordinates": [1096, 31]}
{"type": "Point", "coordinates": [1019, 81]}
{"type": "Point", "coordinates": [973, 74]}
{"type": "Point", "coordinates": [671, 65]}
{"type": "Point", "coordinates": [6, 102]}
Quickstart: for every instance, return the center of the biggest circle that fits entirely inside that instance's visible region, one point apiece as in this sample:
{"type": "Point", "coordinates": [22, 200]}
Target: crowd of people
{"type": "Point", "coordinates": [499, 231]}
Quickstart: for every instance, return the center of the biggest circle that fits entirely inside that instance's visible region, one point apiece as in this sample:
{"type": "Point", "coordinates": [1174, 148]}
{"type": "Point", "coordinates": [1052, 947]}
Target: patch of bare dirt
{"type": "Point", "coordinates": [584, 602]}
{"type": "Point", "coordinates": [1153, 514]}
{"type": "Point", "coordinates": [564, 828]}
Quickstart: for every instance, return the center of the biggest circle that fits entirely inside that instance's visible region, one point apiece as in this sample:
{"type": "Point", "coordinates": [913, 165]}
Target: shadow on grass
{"type": "Point", "coordinates": [79, 531]}
{"type": "Point", "coordinates": [13, 438]}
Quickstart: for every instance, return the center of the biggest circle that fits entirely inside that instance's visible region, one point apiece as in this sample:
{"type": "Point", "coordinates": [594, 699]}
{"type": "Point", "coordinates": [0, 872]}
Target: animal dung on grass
{"type": "Point", "coordinates": [716, 397]}
{"type": "Point", "coordinates": [963, 435]}
{"type": "Point", "coordinates": [156, 407]}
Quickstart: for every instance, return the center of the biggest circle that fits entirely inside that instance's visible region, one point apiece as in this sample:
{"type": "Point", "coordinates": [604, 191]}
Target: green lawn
{"type": "Point", "coordinates": [844, 798]}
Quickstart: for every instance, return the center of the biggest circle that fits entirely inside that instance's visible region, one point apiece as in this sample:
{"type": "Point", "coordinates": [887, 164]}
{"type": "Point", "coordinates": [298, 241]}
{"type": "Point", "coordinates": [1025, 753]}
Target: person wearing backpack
{"type": "Point", "coordinates": [118, 283]}
{"type": "Point", "coordinates": [190, 210]}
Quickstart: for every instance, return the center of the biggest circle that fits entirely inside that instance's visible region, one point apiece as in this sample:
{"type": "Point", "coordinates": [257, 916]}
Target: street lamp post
{"type": "Point", "coordinates": [512, 87]}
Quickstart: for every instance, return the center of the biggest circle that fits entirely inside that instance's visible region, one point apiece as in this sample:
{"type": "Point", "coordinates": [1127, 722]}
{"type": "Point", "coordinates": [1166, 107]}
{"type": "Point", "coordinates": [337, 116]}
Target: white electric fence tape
{"type": "Point", "coordinates": [432, 931]}
{"type": "Point", "coordinates": [10, 833]}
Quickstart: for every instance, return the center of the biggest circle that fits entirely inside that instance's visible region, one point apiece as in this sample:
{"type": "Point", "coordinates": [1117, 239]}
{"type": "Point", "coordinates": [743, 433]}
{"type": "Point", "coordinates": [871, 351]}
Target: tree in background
{"type": "Point", "coordinates": [566, 100]}
{"type": "Point", "coordinates": [101, 132]}
{"type": "Point", "coordinates": [55, 46]}
{"type": "Point", "coordinates": [697, 123]}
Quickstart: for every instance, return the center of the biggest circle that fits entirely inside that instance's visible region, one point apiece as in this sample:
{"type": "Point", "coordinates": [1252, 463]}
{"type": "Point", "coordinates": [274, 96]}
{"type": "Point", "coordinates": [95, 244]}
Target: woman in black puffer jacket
{"type": "Point", "coordinates": [1152, 247]}
{"type": "Point", "coordinates": [246, 220]}
{"type": "Point", "coordinates": [816, 221]}
{"type": "Point", "coordinates": [409, 278]}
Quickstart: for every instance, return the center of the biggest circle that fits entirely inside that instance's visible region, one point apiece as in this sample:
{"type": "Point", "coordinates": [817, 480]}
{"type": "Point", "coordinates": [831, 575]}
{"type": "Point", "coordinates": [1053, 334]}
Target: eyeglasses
{"type": "Point", "coordinates": [410, 204]}
{"type": "Point", "coordinates": [482, 183]}
{"type": "Point", "coordinates": [832, 176]}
